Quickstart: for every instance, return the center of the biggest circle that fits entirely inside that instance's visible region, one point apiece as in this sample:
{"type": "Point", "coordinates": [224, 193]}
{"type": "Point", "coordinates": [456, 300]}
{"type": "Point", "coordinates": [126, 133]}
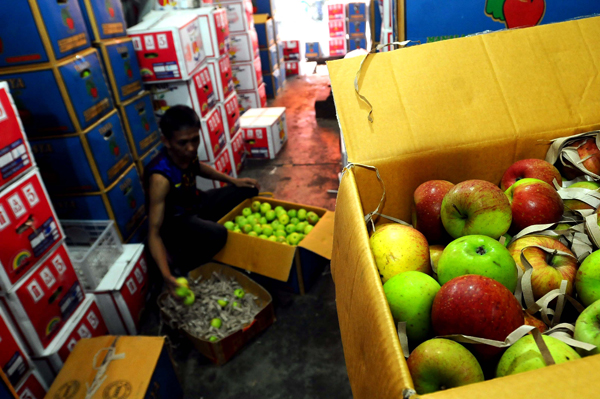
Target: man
{"type": "Point", "coordinates": [182, 219]}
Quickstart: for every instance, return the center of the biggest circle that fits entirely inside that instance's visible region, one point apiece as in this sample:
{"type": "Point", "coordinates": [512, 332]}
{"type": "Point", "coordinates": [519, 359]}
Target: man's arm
{"type": "Point", "coordinates": [159, 188]}
{"type": "Point", "coordinates": [213, 174]}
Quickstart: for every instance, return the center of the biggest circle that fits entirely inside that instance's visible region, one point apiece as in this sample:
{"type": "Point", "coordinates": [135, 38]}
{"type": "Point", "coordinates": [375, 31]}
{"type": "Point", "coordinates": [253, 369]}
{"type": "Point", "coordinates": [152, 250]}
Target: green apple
{"type": "Point", "coordinates": [257, 215]}
{"type": "Point", "coordinates": [255, 206]}
{"type": "Point", "coordinates": [216, 322]}
{"type": "Point", "coordinates": [247, 228]}
{"type": "Point", "coordinates": [435, 253]}
{"type": "Point", "coordinates": [279, 212]}
{"type": "Point", "coordinates": [257, 229]}
{"type": "Point", "coordinates": [182, 291]}
{"type": "Point", "coordinates": [229, 225]}
{"type": "Point", "coordinates": [575, 204]}
{"type": "Point", "coordinates": [290, 228]}
{"type": "Point", "coordinates": [282, 239]}
{"type": "Point", "coordinates": [265, 207]}
{"type": "Point", "coordinates": [507, 238]}
{"type": "Point", "coordinates": [267, 230]}
{"type": "Point", "coordinates": [587, 279]}
{"type": "Point", "coordinates": [440, 364]}
{"type": "Point", "coordinates": [253, 234]}
{"type": "Point", "coordinates": [273, 238]}
{"type": "Point", "coordinates": [292, 213]}
{"type": "Point", "coordinates": [410, 296]}
{"type": "Point", "coordinates": [301, 214]}
{"type": "Point", "coordinates": [239, 293]}
{"type": "Point", "coordinates": [284, 219]}
{"type": "Point", "coordinates": [222, 302]}
{"type": "Point", "coordinates": [300, 227]}
{"type": "Point", "coordinates": [246, 212]}
{"type": "Point", "coordinates": [252, 220]}
{"type": "Point", "coordinates": [189, 299]}
{"type": "Point", "coordinates": [264, 237]}
{"type": "Point", "coordinates": [280, 233]}
{"type": "Point", "coordinates": [312, 218]}
{"type": "Point", "coordinates": [587, 328]}
{"type": "Point", "coordinates": [477, 254]}
{"type": "Point", "coordinates": [525, 355]}
{"type": "Point", "coordinates": [275, 223]}
{"type": "Point", "coordinates": [263, 220]}
{"type": "Point", "coordinates": [293, 239]}
{"type": "Point", "coordinates": [280, 227]}
{"type": "Point", "coordinates": [279, 208]}
{"type": "Point", "coordinates": [294, 221]}
{"type": "Point", "coordinates": [237, 229]}
{"type": "Point", "coordinates": [182, 281]}
{"type": "Point", "coordinates": [239, 219]}
{"type": "Point", "coordinates": [235, 304]}
{"type": "Point", "coordinates": [213, 338]}
{"type": "Point", "coordinates": [301, 236]}
{"type": "Point", "coordinates": [270, 215]}
{"type": "Point", "coordinates": [308, 228]}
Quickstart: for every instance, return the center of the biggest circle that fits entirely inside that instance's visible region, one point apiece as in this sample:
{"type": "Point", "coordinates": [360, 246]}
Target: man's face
{"type": "Point", "coordinates": [184, 144]}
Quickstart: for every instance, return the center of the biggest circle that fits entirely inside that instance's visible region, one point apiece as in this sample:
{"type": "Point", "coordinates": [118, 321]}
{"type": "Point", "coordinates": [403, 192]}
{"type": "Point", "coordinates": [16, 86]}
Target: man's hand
{"type": "Point", "coordinates": [246, 182]}
{"type": "Point", "coordinates": [172, 285]}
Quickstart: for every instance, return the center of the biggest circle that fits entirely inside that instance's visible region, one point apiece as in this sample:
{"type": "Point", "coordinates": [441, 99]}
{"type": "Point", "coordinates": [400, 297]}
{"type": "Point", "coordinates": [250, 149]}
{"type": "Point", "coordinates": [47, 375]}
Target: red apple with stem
{"type": "Point", "coordinates": [548, 269]}
{"type": "Point", "coordinates": [477, 306]}
{"type": "Point", "coordinates": [533, 201]}
{"type": "Point", "coordinates": [427, 202]}
{"type": "Point", "coordinates": [523, 13]}
{"type": "Point", "coordinates": [530, 168]}
{"type": "Point", "coordinates": [589, 153]}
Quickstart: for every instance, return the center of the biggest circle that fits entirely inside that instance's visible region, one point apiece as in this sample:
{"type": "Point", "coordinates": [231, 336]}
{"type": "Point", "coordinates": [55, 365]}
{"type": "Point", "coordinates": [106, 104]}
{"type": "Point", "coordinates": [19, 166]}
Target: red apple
{"type": "Point", "coordinates": [522, 13]}
{"type": "Point", "coordinates": [477, 306]}
{"type": "Point", "coordinates": [588, 150]}
{"type": "Point", "coordinates": [435, 251]}
{"type": "Point", "coordinates": [533, 201]}
{"type": "Point", "coordinates": [548, 270]}
{"type": "Point", "coordinates": [530, 168]}
{"type": "Point", "coordinates": [427, 201]}
{"type": "Point", "coordinates": [534, 321]}
{"type": "Point", "coordinates": [574, 204]}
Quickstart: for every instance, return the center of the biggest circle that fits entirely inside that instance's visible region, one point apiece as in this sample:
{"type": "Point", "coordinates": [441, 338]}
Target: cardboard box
{"type": "Point", "coordinates": [313, 50]}
{"type": "Point", "coordinates": [43, 301]}
{"type": "Point", "coordinates": [238, 151]}
{"type": "Point", "coordinates": [122, 292]}
{"type": "Point", "coordinates": [179, 4]}
{"type": "Point", "coordinates": [252, 98]}
{"type": "Point", "coordinates": [76, 94]}
{"type": "Point", "coordinates": [387, 36]}
{"type": "Point", "coordinates": [337, 28]}
{"type": "Point", "coordinates": [264, 30]}
{"type": "Point", "coordinates": [265, 7]}
{"type": "Point", "coordinates": [244, 47]}
{"type": "Point", "coordinates": [145, 370]}
{"type": "Point", "coordinates": [358, 11]}
{"type": "Point", "coordinates": [222, 351]}
{"type": "Point", "coordinates": [337, 47]}
{"type": "Point", "coordinates": [239, 14]}
{"type": "Point", "coordinates": [199, 93]}
{"type": "Point", "coordinates": [47, 31]}
{"type": "Point", "coordinates": [33, 387]}
{"type": "Point", "coordinates": [87, 322]}
{"type": "Point", "coordinates": [269, 59]}
{"type": "Point", "coordinates": [84, 162]}
{"type": "Point", "coordinates": [123, 202]}
{"type": "Point", "coordinates": [140, 124]}
{"type": "Point", "coordinates": [274, 83]}
{"type": "Point", "coordinates": [121, 66]}
{"type": "Point", "coordinates": [6, 389]}
{"type": "Point", "coordinates": [388, 16]}
{"type": "Point", "coordinates": [103, 19]}
{"type": "Point", "coordinates": [212, 136]}
{"type": "Point", "coordinates": [148, 157]}
{"type": "Point", "coordinates": [358, 42]}
{"type": "Point", "coordinates": [470, 107]}
{"type": "Point", "coordinates": [357, 28]}
{"type": "Point", "coordinates": [230, 114]}
{"type": "Point", "coordinates": [292, 50]}
{"type": "Point", "coordinates": [276, 29]}
{"type": "Point", "coordinates": [247, 75]}
{"type": "Point", "coordinates": [299, 266]}
{"type": "Point", "coordinates": [336, 11]}
{"type": "Point", "coordinates": [168, 46]}
{"type": "Point", "coordinates": [29, 228]}
{"type": "Point", "coordinates": [15, 153]}
{"type": "Point", "coordinates": [223, 163]}
{"type": "Point", "coordinates": [14, 361]}
{"type": "Point", "coordinates": [265, 131]}
{"type": "Point", "coordinates": [215, 30]}
{"type": "Point", "coordinates": [221, 76]}
{"type": "Point", "coordinates": [280, 53]}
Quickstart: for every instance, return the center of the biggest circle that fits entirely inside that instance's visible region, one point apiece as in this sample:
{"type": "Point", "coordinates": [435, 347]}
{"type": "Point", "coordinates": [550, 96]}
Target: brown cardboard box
{"type": "Point", "coordinates": [455, 110]}
{"type": "Point", "coordinates": [276, 260]}
{"type": "Point", "coordinates": [221, 351]}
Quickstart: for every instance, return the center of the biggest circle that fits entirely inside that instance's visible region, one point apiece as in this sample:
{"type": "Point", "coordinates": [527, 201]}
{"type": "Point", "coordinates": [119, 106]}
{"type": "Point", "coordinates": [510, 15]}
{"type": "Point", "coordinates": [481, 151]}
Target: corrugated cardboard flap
{"type": "Point", "coordinates": [320, 239]}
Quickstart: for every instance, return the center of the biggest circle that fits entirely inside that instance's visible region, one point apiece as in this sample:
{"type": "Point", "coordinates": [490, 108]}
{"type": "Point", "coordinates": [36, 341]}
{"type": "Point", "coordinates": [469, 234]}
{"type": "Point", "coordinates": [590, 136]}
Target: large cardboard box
{"type": "Point", "coordinates": [456, 110]}
{"type": "Point", "coordinates": [104, 19]}
{"type": "Point", "coordinates": [238, 150]}
{"type": "Point", "coordinates": [247, 75]}
{"type": "Point", "coordinates": [269, 59]}
{"type": "Point", "coordinates": [292, 50]}
{"type": "Point", "coordinates": [388, 15]}
{"type": "Point", "coordinates": [34, 387]}
{"type": "Point", "coordinates": [274, 83]}
{"type": "Point", "coordinates": [296, 265]}
{"type": "Point", "coordinates": [337, 47]}
{"type": "Point", "coordinates": [221, 76]}
{"type": "Point", "coordinates": [244, 46]}
{"type": "Point", "coordinates": [136, 367]}
{"type": "Point", "coordinates": [265, 131]}
{"type": "Point", "coordinates": [336, 11]}
{"type": "Point", "coordinates": [215, 30]}
{"type": "Point", "coordinates": [263, 25]}
{"type": "Point", "coordinates": [212, 136]}
{"type": "Point", "coordinates": [122, 68]}
{"type": "Point", "coordinates": [264, 7]}
{"type": "Point", "coordinates": [252, 98]}
{"type": "Point", "coordinates": [84, 162]}
{"type": "Point", "coordinates": [358, 11]}
{"type": "Point", "coordinates": [239, 14]}
{"type": "Point", "coordinates": [14, 361]}
{"type": "Point", "coordinates": [141, 127]}
{"type": "Point", "coordinates": [75, 94]}
{"type": "Point", "coordinates": [223, 163]}
{"type": "Point", "coordinates": [15, 153]}
{"type": "Point", "coordinates": [148, 157]}
{"type": "Point", "coordinates": [337, 28]}
{"type": "Point", "coordinates": [230, 113]}
{"type": "Point", "coordinates": [47, 31]}
{"type": "Point", "coordinates": [221, 351]}
{"type": "Point", "coordinates": [29, 228]}
{"type": "Point", "coordinates": [168, 46]}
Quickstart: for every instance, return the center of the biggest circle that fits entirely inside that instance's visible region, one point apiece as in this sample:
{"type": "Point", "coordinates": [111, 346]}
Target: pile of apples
{"type": "Point", "coordinates": [287, 227]}
{"type": "Point", "coordinates": [456, 271]}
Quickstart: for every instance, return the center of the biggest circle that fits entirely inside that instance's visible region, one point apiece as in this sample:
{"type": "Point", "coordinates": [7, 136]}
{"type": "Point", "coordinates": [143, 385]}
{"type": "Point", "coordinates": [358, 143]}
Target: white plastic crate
{"type": "Point", "coordinates": [94, 246]}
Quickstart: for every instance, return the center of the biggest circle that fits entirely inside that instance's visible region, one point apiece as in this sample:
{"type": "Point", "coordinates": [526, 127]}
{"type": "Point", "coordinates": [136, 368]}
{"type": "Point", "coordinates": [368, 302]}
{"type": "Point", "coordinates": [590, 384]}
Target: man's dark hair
{"type": "Point", "coordinates": [177, 118]}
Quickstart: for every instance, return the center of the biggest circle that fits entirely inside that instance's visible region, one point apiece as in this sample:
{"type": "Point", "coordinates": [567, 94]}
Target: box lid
{"type": "Point", "coordinates": [114, 279]}
{"type": "Point", "coordinates": [478, 89]}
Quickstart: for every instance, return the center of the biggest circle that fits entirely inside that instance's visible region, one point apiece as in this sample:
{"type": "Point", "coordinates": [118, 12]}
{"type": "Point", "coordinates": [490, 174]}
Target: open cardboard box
{"type": "Point", "coordinates": [455, 110]}
{"type": "Point", "coordinates": [298, 266]}
{"type": "Point", "coordinates": [221, 351]}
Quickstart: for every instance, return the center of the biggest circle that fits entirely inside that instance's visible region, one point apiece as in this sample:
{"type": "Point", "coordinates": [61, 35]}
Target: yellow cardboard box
{"type": "Point", "coordinates": [454, 110]}
{"type": "Point", "coordinates": [117, 367]}
{"type": "Point", "coordinates": [276, 260]}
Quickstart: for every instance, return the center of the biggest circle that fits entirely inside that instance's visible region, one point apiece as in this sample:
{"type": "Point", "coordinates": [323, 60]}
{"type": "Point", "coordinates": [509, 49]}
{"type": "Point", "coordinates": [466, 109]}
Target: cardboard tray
{"type": "Point", "coordinates": [454, 110]}
{"type": "Point", "coordinates": [221, 351]}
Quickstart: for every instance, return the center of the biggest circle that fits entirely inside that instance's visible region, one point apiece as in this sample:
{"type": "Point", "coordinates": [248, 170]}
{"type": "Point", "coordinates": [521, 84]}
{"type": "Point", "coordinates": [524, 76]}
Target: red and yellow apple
{"type": "Point", "coordinates": [427, 201]}
{"type": "Point", "coordinates": [575, 204]}
{"type": "Point", "coordinates": [530, 168]}
{"type": "Point", "coordinates": [533, 201]}
{"type": "Point", "coordinates": [589, 153]}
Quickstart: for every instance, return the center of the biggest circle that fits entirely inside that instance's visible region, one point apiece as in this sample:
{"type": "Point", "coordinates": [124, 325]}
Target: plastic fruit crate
{"type": "Point", "coordinates": [94, 246]}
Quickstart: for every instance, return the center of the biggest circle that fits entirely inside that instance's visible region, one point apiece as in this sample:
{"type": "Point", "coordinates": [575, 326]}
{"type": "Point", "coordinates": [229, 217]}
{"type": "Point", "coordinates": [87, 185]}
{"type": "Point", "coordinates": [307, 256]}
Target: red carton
{"type": "Point", "coordinates": [221, 76]}
{"type": "Point", "coordinates": [13, 357]}
{"type": "Point", "coordinates": [336, 11]}
{"type": "Point", "coordinates": [43, 302]}
{"type": "Point", "coordinates": [29, 228]}
{"type": "Point", "coordinates": [224, 163]}
{"type": "Point", "coordinates": [252, 98]}
{"type": "Point", "coordinates": [265, 131]}
{"type": "Point", "coordinates": [213, 137]}
{"type": "Point", "coordinates": [239, 15]}
{"type": "Point", "coordinates": [244, 47]}
{"type": "Point", "coordinates": [15, 154]}
{"type": "Point", "coordinates": [247, 75]}
{"type": "Point", "coordinates": [230, 111]}
{"type": "Point", "coordinates": [292, 51]}
{"type": "Point", "coordinates": [337, 28]}
{"type": "Point", "coordinates": [238, 150]}
{"type": "Point", "coordinates": [33, 387]}
{"type": "Point", "coordinates": [215, 30]}
{"type": "Point", "coordinates": [337, 47]}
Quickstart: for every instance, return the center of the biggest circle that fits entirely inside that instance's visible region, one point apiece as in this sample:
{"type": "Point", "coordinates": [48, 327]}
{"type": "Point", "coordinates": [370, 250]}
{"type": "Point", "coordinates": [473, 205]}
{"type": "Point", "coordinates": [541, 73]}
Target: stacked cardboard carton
{"type": "Point", "coordinates": [265, 131]}
{"type": "Point", "coordinates": [359, 31]}
{"type": "Point", "coordinates": [337, 29]}
{"type": "Point", "coordinates": [388, 22]}
{"type": "Point", "coordinates": [269, 48]}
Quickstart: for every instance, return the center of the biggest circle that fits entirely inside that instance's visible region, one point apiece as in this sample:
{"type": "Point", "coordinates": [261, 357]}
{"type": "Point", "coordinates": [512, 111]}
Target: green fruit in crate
{"type": "Point", "coordinates": [252, 221]}
{"type": "Point", "coordinates": [280, 227]}
{"type": "Point", "coordinates": [308, 228]}
{"type": "Point", "coordinates": [189, 299]}
{"type": "Point", "coordinates": [301, 236]}
{"type": "Point", "coordinates": [213, 339]}
{"type": "Point", "coordinates": [267, 230]}
{"type": "Point", "coordinates": [237, 230]}
{"type": "Point", "coordinates": [222, 302]}
{"type": "Point", "coordinates": [246, 212]}
{"type": "Point", "coordinates": [312, 218]}
{"type": "Point", "coordinates": [270, 215]}
{"type": "Point", "coordinates": [182, 292]}
{"type": "Point", "coordinates": [275, 223]}
{"type": "Point", "coordinates": [292, 213]}
{"type": "Point", "coordinates": [265, 207]}
{"type": "Point", "coordinates": [255, 206]}
{"type": "Point", "coordinates": [239, 293]}
{"type": "Point", "coordinates": [279, 208]}
{"type": "Point", "coordinates": [216, 322]}
{"type": "Point", "coordinates": [182, 281]}
{"type": "Point", "coordinates": [302, 214]}
{"type": "Point", "coordinates": [257, 229]}
{"type": "Point", "coordinates": [279, 212]}
{"type": "Point", "coordinates": [300, 227]}
{"type": "Point", "coordinates": [293, 239]}
{"type": "Point", "coordinates": [283, 219]}
{"type": "Point", "coordinates": [290, 228]}
{"type": "Point", "coordinates": [264, 237]}
{"type": "Point", "coordinates": [294, 221]}
{"type": "Point", "coordinates": [229, 225]}
{"type": "Point", "coordinates": [263, 220]}
{"type": "Point", "coordinates": [242, 222]}
{"type": "Point", "coordinates": [280, 233]}
{"type": "Point", "coordinates": [273, 238]}
{"type": "Point", "coordinates": [282, 239]}
{"type": "Point", "coordinates": [248, 228]}
{"type": "Point", "coordinates": [253, 234]}
{"type": "Point", "coordinates": [239, 219]}
{"type": "Point", "coordinates": [257, 215]}
{"type": "Point", "coordinates": [235, 304]}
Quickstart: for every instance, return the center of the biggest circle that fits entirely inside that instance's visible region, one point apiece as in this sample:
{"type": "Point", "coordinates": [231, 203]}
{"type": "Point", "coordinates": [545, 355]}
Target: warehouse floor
{"type": "Point", "coordinates": [301, 355]}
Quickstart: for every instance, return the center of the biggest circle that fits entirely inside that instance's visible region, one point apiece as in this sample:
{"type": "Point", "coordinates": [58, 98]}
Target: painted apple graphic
{"type": "Point", "coordinates": [145, 124]}
{"type": "Point", "coordinates": [110, 9]}
{"type": "Point", "coordinates": [91, 89]}
{"type": "Point", "coordinates": [114, 148]}
{"type": "Point", "coordinates": [128, 70]}
{"type": "Point", "coordinates": [516, 13]}
{"type": "Point", "coordinates": [67, 19]}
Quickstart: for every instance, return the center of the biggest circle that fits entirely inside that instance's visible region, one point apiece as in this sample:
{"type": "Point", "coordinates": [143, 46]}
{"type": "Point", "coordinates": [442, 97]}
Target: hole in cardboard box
{"type": "Point", "coordinates": [85, 73]}
{"type": "Point", "coordinates": [25, 225]}
{"type": "Point", "coordinates": [108, 134]}
{"type": "Point", "coordinates": [151, 55]}
{"type": "Point", "coordinates": [55, 294]}
{"type": "Point", "coordinates": [125, 55]}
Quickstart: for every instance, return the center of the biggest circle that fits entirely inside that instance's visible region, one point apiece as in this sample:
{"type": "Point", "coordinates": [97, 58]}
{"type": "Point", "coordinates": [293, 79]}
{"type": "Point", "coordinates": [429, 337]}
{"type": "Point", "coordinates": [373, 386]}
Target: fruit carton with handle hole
{"type": "Point", "coordinates": [296, 266]}
{"type": "Point", "coordinates": [104, 19]}
{"type": "Point", "coordinates": [215, 30]}
{"type": "Point", "coordinates": [122, 68]}
{"type": "Point", "coordinates": [244, 46]}
{"type": "Point", "coordinates": [14, 360]}
{"type": "Point", "coordinates": [239, 14]}
{"type": "Point", "coordinates": [34, 386]}
{"type": "Point", "coordinates": [221, 77]}
{"type": "Point", "coordinates": [263, 25]}
{"type": "Point", "coordinates": [141, 126]}
{"type": "Point", "coordinates": [252, 98]}
{"type": "Point", "coordinates": [456, 110]}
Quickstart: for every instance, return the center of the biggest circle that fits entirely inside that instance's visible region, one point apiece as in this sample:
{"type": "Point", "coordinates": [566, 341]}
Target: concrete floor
{"type": "Point", "coordinates": [301, 355]}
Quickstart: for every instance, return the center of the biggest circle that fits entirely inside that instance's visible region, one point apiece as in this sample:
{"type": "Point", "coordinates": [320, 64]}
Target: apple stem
{"type": "Point", "coordinates": [459, 213]}
{"type": "Point", "coordinates": [480, 251]}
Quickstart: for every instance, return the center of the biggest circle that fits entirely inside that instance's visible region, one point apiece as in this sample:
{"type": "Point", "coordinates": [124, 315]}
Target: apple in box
{"type": "Point", "coordinates": [530, 168]}
{"type": "Point", "coordinates": [427, 203]}
{"type": "Point", "coordinates": [533, 201]}
{"type": "Point", "coordinates": [575, 204]}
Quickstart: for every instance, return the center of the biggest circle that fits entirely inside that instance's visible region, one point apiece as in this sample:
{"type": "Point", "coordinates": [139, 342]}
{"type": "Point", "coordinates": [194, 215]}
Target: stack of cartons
{"type": "Point", "coordinates": [336, 13]}
{"type": "Point", "coordinates": [268, 44]}
{"type": "Point", "coordinates": [388, 22]}
{"type": "Point", "coordinates": [359, 31]}
{"type": "Point", "coordinates": [265, 131]}
{"type": "Point", "coordinates": [65, 102]}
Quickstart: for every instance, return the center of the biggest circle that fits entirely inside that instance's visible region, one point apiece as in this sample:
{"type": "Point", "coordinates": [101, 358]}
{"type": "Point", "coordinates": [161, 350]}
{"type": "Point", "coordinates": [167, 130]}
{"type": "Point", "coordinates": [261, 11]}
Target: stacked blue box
{"type": "Point", "coordinates": [269, 59]}
{"type": "Point", "coordinates": [141, 126]}
{"type": "Point", "coordinates": [264, 7]}
{"type": "Point", "coordinates": [274, 83]}
{"type": "Point", "coordinates": [121, 65]}
{"type": "Point", "coordinates": [358, 27]}
{"type": "Point", "coordinates": [264, 30]}
{"type": "Point", "coordinates": [104, 19]}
